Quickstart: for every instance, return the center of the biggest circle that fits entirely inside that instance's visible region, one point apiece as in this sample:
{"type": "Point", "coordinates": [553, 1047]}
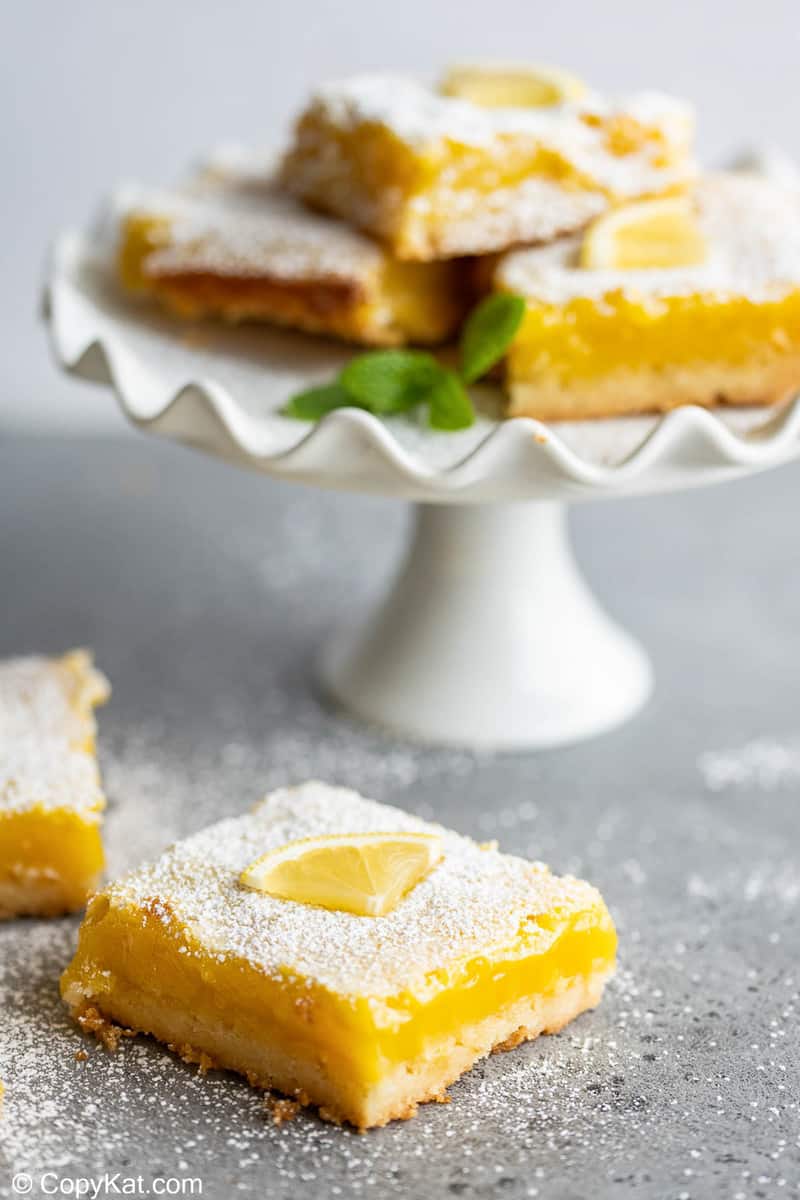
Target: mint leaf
{"type": "Point", "coordinates": [389, 381]}
{"type": "Point", "coordinates": [315, 402]}
{"type": "Point", "coordinates": [488, 332]}
{"type": "Point", "coordinates": [450, 405]}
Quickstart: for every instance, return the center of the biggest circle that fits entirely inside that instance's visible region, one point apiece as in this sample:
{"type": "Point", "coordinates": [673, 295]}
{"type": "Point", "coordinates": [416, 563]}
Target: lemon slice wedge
{"type": "Point", "coordinates": [362, 873]}
{"type": "Point", "coordinates": [508, 85]}
{"type": "Point", "coordinates": [652, 233]}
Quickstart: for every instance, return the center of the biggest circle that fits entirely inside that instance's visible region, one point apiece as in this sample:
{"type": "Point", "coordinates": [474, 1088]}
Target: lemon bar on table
{"type": "Point", "coordinates": [231, 245]}
{"type": "Point", "coordinates": [248, 948]}
{"type": "Point", "coordinates": [693, 300]}
{"type": "Point", "coordinates": [51, 801]}
{"type": "Point", "coordinates": [437, 176]}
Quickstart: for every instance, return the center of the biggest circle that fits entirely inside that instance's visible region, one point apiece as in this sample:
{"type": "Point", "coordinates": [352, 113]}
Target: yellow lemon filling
{"type": "Point", "coordinates": [585, 339]}
{"type": "Point", "coordinates": [395, 186]}
{"type": "Point", "coordinates": [56, 854]}
{"type": "Point", "coordinates": [126, 952]}
{"type": "Point", "coordinates": [622, 355]}
{"type": "Point", "coordinates": [385, 302]}
{"type": "Point", "coordinates": [142, 234]}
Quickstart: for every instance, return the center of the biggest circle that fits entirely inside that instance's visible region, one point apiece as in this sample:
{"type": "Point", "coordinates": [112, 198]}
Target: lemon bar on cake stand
{"type": "Point", "coordinates": [662, 304]}
{"type": "Point", "coordinates": [435, 175]}
{"type": "Point", "coordinates": [230, 244]}
{"type": "Point", "coordinates": [249, 946]}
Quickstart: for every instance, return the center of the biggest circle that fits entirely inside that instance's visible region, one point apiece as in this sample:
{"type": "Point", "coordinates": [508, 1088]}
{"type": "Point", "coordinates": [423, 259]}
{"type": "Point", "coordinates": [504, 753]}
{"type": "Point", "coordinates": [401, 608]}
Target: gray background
{"type": "Point", "coordinates": [205, 592]}
{"type": "Point", "coordinates": [92, 92]}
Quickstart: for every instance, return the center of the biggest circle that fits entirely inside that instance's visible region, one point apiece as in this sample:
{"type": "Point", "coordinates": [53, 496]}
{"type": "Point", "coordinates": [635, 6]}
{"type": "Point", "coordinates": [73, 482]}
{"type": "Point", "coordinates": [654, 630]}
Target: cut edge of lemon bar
{"type": "Point", "coordinates": [231, 246]}
{"type": "Point", "coordinates": [51, 800]}
{"type": "Point", "coordinates": [364, 1017]}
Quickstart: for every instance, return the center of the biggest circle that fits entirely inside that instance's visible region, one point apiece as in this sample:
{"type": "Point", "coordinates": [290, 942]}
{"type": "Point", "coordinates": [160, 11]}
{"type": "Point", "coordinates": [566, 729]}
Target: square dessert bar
{"type": "Point", "coordinates": [365, 1017]}
{"type": "Point", "coordinates": [605, 342]}
{"type": "Point", "coordinates": [51, 801]}
{"type": "Point", "coordinates": [436, 176]}
{"type": "Point", "coordinates": [231, 245]}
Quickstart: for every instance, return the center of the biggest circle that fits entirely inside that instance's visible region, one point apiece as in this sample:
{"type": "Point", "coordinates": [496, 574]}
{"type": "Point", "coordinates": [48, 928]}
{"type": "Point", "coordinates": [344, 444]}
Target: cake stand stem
{"type": "Point", "coordinates": [489, 637]}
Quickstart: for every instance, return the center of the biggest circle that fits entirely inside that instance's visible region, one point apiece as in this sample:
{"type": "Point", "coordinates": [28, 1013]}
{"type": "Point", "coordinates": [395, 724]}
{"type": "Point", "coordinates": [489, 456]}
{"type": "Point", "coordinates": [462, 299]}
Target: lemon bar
{"type": "Point", "coordinates": [437, 176]}
{"type": "Point", "coordinates": [231, 245]}
{"type": "Point", "coordinates": [362, 1016]}
{"type": "Point", "coordinates": [51, 854]}
{"type": "Point", "coordinates": [723, 328]}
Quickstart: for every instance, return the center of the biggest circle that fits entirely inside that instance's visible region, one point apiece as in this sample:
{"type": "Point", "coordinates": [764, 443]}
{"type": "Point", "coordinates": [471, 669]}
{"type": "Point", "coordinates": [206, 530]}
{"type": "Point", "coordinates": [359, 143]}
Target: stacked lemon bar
{"type": "Point", "coordinates": [348, 954]}
{"type": "Point", "coordinates": [438, 175]}
{"type": "Point", "coordinates": [399, 205]}
{"type": "Point", "coordinates": [51, 801]}
{"type": "Point", "coordinates": [230, 243]}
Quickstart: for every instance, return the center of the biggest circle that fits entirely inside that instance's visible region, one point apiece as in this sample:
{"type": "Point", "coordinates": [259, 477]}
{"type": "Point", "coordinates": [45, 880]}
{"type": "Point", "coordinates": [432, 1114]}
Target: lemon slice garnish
{"type": "Point", "coordinates": [362, 873]}
{"type": "Point", "coordinates": [652, 233]}
{"type": "Point", "coordinates": [507, 85]}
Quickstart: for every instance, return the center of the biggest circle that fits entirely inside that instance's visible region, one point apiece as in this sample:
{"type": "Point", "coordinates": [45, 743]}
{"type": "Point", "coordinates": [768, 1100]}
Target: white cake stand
{"type": "Point", "coordinates": [489, 636]}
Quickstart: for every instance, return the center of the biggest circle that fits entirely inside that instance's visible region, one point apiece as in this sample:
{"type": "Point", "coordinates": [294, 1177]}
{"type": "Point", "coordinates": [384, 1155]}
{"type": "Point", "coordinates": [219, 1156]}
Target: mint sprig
{"type": "Point", "coordinates": [488, 332]}
{"type": "Point", "coordinates": [316, 402]}
{"type": "Point", "coordinates": [450, 405]}
{"type": "Point", "coordinates": [395, 381]}
{"type": "Point", "coordinates": [390, 381]}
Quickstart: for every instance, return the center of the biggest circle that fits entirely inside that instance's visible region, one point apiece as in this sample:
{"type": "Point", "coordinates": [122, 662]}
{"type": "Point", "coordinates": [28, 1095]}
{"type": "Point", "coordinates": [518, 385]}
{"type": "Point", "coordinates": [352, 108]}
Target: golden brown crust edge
{"type": "Point", "coordinates": [399, 1095]}
{"type": "Point", "coordinates": [636, 393]}
{"type": "Point", "coordinates": [335, 309]}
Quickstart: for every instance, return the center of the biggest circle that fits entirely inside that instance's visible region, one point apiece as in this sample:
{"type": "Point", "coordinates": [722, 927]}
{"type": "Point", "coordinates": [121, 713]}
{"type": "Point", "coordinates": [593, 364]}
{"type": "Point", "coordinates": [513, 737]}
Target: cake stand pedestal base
{"type": "Point", "coordinates": [489, 638]}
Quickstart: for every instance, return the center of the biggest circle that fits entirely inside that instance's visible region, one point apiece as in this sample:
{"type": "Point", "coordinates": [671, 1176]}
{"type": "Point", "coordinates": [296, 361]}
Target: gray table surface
{"type": "Point", "coordinates": [205, 592]}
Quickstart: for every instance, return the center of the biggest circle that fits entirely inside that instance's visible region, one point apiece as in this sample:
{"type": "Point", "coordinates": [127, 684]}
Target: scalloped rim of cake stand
{"type": "Point", "coordinates": [515, 459]}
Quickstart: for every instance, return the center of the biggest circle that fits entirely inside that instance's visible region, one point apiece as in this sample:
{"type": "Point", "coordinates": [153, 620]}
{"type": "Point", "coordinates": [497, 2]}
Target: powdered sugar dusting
{"type": "Point", "coordinates": [422, 117]}
{"type": "Point", "coordinates": [474, 902]}
{"type": "Point", "coordinates": [598, 1105]}
{"type": "Point", "coordinates": [765, 763]}
{"type": "Point", "coordinates": [236, 222]}
{"type": "Point", "coordinates": [45, 721]}
{"type": "Point", "coordinates": [532, 210]}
